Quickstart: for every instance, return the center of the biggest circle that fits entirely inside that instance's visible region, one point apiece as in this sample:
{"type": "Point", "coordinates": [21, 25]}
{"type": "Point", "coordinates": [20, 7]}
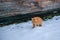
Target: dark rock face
{"type": "Point", "coordinates": [14, 7]}
{"type": "Point", "coordinates": [5, 0]}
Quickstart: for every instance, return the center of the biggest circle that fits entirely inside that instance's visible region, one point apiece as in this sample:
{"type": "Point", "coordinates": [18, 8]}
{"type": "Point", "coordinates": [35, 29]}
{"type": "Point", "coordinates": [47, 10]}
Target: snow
{"type": "Point", "coordinates": [50, 30]}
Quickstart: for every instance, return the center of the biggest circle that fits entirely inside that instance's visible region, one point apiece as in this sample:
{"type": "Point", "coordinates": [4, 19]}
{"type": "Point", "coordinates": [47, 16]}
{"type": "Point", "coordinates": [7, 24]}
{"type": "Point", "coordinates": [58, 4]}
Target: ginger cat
{"type": "Point", "coordinates": [37, 21]}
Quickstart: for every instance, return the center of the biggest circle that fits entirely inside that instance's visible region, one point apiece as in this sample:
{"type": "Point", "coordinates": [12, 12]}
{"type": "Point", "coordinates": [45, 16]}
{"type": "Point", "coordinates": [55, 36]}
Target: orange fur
{"type": "Point", "coordinates": [37, 21]}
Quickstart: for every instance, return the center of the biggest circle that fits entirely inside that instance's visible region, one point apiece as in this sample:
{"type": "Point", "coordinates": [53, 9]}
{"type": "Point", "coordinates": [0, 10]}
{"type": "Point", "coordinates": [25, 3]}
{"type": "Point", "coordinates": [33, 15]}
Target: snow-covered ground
{"type": "Point", "coordinates": [50, 30]}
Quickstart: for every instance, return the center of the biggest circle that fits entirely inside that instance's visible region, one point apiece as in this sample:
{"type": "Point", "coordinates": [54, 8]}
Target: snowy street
{"type": "Point", "coordinates": [50, 30]}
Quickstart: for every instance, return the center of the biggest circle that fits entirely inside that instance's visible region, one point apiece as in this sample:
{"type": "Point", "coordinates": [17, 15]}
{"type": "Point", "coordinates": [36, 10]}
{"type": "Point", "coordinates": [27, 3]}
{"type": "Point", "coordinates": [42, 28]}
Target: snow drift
{"type": "Point", "coordinates": [50, 30]}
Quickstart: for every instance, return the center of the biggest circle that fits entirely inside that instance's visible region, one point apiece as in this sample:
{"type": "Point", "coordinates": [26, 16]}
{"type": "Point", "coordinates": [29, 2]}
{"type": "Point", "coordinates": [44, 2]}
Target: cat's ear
{"type": "Point", "coordinates": [31, 18]}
